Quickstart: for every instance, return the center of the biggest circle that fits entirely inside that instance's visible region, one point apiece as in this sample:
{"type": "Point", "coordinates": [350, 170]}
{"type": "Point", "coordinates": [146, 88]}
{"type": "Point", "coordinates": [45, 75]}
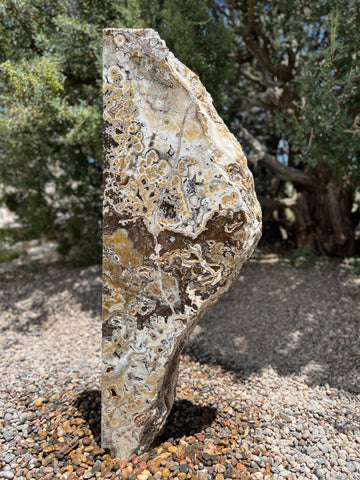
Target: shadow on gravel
{"type": "Point", "coordinates": [88, 404]}
{"type": "Point", "coordinates": [296, 321]}
{"type": "Point", "coordinates": [30, 298]}
{"type": "Point", "coordinates": [186, 418]}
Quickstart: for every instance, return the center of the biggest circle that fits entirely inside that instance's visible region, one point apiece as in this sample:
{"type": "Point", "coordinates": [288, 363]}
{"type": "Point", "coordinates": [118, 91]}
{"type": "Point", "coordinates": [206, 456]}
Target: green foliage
{"type": "Point", "coordinates": [284, 69]}
{"type": "Point", "coordinates": [298, 67]}
{"type": "Point", "coordinates": [351, 266]}
{"type": "Point", "coordinates": [298, 84]}
{"type": "Point", "coordinates": [302, 256]}
{"type": "Point", "coordinates": [324, 125]}
{"type": "Point", "coordinates": [195, 31]}
{"type": "Point", "coordinates": [7, 254]}
{"type": "Point", "coordinates": [50, 118]}
{"type": "Point", "coordinates": [51, 103]}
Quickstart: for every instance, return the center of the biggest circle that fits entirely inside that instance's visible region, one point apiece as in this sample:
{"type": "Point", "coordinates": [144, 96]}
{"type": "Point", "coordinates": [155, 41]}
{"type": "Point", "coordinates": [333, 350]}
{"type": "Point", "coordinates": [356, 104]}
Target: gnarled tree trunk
{"type": "Point", "coordinates": [322, 207]}
{"type": "Point", "coordinates": [323, 214]}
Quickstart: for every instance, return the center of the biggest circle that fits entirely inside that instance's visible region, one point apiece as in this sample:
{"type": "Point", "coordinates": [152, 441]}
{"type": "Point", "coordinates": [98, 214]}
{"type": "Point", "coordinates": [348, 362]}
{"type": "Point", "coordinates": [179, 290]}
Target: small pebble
{"type": "Point", "coordinates": [9, 458]}
{"type": "Point", "coordinates": [275, 420]}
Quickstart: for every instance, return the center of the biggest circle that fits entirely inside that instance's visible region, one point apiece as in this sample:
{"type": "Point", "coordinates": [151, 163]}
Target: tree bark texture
{"type": "Point", "coordinates": [322, 202]}
{"type": "Point", "coordinates": [322, 207]}
{"type": "Point", "coordinates": [324, 218]}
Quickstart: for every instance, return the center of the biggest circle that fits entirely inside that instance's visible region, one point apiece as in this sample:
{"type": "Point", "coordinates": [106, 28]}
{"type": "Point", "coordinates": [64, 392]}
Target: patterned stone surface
{"type": "Point", "coordinates": [180, 218]}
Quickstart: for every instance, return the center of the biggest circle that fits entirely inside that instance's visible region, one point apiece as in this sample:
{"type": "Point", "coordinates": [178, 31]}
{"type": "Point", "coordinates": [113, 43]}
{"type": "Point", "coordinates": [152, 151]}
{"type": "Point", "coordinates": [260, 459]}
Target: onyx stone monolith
{"type": "Point", "coordinates": [180, 218]}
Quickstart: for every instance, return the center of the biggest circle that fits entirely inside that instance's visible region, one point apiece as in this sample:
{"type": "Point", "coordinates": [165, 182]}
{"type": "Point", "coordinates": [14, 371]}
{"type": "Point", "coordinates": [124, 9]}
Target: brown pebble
{"type": "Point", "coordinates": [48, 459]}
{"type": "Point", "coordinates": [64, 449]}
{"type": "Point", "coordinates": [219, 468]}
{"type": "Point", "coordinates": [142, 465]}
{"type": "Point", "coordinates": [152, 466]}
{"type": "Point", "coordinates": [76, 461]}
{"type": "Point", "coordinates": [143, 476]}
{"type": "Point", "coordinates": [68, 468]}
{"type": "Point", "coordinates": [49, 449]}
{"type": "Point", "coordinates": [166, 473]}
{"type": "Point", "coordinates": [98, 451]}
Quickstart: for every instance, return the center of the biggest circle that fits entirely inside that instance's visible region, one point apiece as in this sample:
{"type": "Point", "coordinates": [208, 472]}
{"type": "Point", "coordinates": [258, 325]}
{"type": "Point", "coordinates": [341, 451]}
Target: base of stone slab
{"type": "Point", "coordinates": [123, 446]}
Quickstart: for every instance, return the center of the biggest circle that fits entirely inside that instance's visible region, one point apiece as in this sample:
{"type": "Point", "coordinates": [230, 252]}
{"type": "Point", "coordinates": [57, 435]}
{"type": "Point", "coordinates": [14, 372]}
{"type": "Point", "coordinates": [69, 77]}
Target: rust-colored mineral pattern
{"type": "Point", "coordinates": [180, 218]}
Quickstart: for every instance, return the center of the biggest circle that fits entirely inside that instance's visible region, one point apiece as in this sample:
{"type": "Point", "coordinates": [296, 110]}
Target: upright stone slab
{"type": "Point", "coordinates": [180, 218]}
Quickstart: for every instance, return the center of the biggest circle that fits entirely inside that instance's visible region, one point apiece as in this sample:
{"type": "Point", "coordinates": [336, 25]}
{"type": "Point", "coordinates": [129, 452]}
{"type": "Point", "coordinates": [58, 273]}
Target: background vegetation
{"type": "Point", "coordinates": [285, 76]}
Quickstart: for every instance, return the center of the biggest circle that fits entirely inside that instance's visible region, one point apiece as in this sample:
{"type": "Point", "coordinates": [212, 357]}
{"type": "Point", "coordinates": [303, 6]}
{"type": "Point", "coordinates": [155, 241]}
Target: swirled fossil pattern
{"type": "Point", "coordinates": [180, 218]}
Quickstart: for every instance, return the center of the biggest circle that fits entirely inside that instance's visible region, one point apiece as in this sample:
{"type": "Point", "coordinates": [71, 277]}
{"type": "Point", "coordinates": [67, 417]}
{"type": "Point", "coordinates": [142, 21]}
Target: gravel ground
{"type": "Point", "coordinates": [268, 386]}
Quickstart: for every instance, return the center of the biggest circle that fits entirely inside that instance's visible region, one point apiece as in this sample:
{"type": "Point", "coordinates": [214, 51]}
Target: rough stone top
{"type": "Point", "coordinates": [185, 147]}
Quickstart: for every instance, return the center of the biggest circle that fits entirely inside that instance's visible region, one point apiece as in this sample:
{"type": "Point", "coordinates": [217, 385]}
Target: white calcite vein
{"type": "Point", "coordinates": [180, 218]}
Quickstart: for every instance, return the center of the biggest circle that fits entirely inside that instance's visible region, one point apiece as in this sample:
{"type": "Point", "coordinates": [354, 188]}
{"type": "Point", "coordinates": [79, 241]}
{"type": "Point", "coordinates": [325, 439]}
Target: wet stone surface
{"type": "Point", "coordinates": [180, 218]}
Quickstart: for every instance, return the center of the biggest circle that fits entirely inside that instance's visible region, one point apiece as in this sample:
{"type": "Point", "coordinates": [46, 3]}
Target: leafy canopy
{"type": "Point", "coordinates": [51, 103]}
{"type": "Point", "coordinates": [285, 69]}
{"type": "Point", "coordinates": [323, 126]}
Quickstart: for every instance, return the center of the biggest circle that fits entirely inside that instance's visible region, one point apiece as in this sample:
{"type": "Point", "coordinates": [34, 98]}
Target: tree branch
{"type": "Point", "coordinates": [264, 81]}
{"type": "Point", "coordinates": [250, 4]}
{"type": "Point", "coordinates": [276, 203]}
{"type": "Point", "coordinates": [256, 103]}
{"type": "Point", "coordinates": [251, 33]}
{"type": "Point", "coordinates": [281, 171]}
